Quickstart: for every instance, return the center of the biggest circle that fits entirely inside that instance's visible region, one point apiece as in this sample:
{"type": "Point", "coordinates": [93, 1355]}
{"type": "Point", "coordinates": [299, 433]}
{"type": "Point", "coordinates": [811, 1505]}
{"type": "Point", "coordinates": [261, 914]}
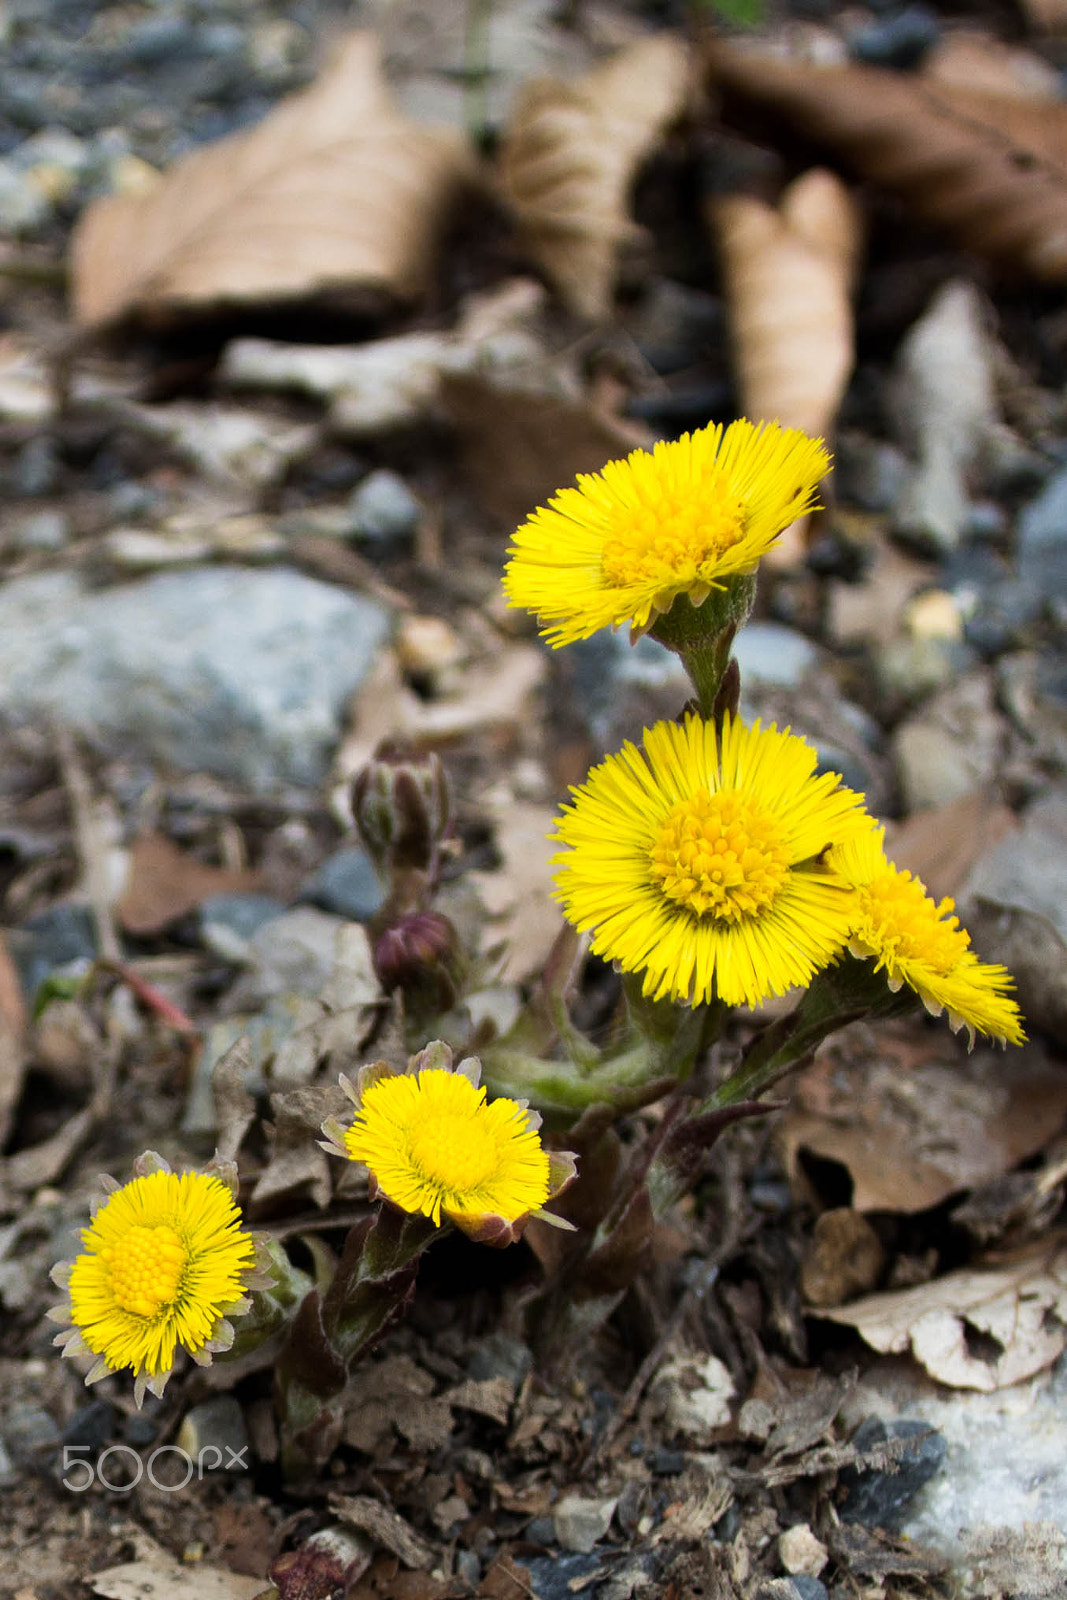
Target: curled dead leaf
{"type": "Point", "coordinates": [789, 274]}
{"type": "Point", "coordinates": [989, 169]}
{"type": "Point", "coordinates": [334, 189]}
{"type": "Point", "coordinates": [1017, 1308]}
{"type": "Point", "coordinates": [571, 153]}
{"type": "Point", "coordinates": [911, 1130]}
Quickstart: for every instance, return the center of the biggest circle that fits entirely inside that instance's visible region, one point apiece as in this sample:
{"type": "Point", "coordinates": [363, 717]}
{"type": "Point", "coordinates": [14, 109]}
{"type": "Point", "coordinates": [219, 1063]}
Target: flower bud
{"type": "Point", "coordinates": [418, 954]}
{"type": "Point", "coordinates": [401, 805]}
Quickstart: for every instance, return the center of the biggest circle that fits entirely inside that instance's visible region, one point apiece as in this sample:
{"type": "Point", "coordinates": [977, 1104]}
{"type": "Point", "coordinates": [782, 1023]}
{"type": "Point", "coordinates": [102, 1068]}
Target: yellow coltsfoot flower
{"type": "Point", "coordinates": [435, 1147]}
{"type": "Point", "coordinates": [165, 1261]}
{"type": "Point", "coordinates": [682, 519]}
{"type": "Point", "coordinates": [700, 861]}
{"type": "Point", "coordinates": [919, 942]}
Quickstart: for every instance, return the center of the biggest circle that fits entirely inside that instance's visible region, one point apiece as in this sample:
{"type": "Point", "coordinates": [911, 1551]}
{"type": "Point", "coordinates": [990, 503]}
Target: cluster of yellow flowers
{"type": "Point", "coordinates": [166, 1261]}
{"type": "Point", "coordinates": [715, 861]}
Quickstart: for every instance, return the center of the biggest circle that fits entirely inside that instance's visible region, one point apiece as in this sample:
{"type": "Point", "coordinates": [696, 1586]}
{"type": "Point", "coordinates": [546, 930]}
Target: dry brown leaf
{"type": "Point", "coordinates": [298, 1167]}
{"type": "Point", "coordinates": [545, 439]}
{"type": "Point", "coordinates": [494, 693]}
{"type": "Point", "coordinates": [162, 1578]}
{"type": "Point", "coordinates": [1047, 16]}
{"type": "Point", "coordinates": [941, 846]}
{"type": "Point", "coordinates": [912, 1130]}
{"type": "Point", "coordinates": [990, 169]}
{"type": "Point", "coordinates": [518, 896]}
{"type": "Point", "coordinates": [570, 154]}
{"type": "Point", "coordinates": [1020, 1304]}
{"type": "Point", "coordinates": [972, 59]}
{"type": "Point", "coordinates": [164, 883]}
{"type": "Point", "coordinates": [334, 189]}
{"type": "Point", "coordinates": [386, 1528]}
{"type": "Point", "coordinates": [789, 274]}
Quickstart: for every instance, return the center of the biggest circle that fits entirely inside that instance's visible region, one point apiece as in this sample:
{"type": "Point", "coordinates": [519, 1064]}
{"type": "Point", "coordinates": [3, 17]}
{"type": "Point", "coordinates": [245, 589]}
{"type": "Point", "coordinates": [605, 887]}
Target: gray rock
{"type": "Point", "coordinates": [54, 147]}
{"type": "Point", "coordinates": [35, 470]}
{"type": "Point", "coordinates": [870, 472]}
{"type": "Point", "coordinates": [9, 1473]}
{"type": "Point", "coordinates": [500, 1356]}
{"type": "Point", "coordinates": [293, 954]}
{"type": "Point", "coordinates": [878, 1497]}
{"type": "Point", "coordinates": [1042, 538]}
{"type": "Point", "coordinates": [768, 653]}
{"type": "Point", "coordinates": [898, 40]}
{"type": "Point", "coordinates": [228, 922]}
{"type": "Point", "coordinates": [92, 1426]}
{"type": "Point", "coordinates": [43, 530]}
{"type": "Point", "coordinates": [674, 325]}
{"type": "Point", "coordinates": [227, 670]}
{"type": "Point", "coordinates": [954, 747]}
{"type": "Point", "coordinates": [346, 884]}
{"type": "Point", "coordinates": [213, 1434]}
{"type": "Point", "coordinates": [23, 207]}
{"type": "Point", "coordinates": [581, 1522]}
{"type": "Point", "coordinates": [1014, 903]}
{"type": "Point", "coordinates": [383, 508]}
{"type": "Point", "coordinates": [908, 669]}
{"type": "Point", "coordinates": [61, 935]}
{"type": "Point", "coordinates": [31, 1434]}
{"type": "Point", "coordinates": [1004, 1472]}
{"type": "Point", "coordinates": [554, 1577]}
{"type": "Point", "coordinates": [801, 1586]}
{"type": "Point", "coordinates": [266, 1031]}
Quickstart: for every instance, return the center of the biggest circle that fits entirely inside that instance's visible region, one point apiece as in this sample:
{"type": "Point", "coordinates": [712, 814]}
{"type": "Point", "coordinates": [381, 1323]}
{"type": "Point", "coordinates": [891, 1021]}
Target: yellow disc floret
{"type": "Point", "coordinates": [144, 1269]}
{"type": "Point", "coordinates": [436, 1147]}
{"type": "Point", "coordinates": [670, 535]}
{"type": "Point", "coordinates": [719, 855]}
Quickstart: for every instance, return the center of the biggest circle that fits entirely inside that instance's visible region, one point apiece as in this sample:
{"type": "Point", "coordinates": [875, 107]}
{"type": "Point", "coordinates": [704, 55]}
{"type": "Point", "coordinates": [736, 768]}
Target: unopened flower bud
{"type": "Point", "coordinates": [418, 954]}
{"type": "Point", "coordinates": [401, 805]}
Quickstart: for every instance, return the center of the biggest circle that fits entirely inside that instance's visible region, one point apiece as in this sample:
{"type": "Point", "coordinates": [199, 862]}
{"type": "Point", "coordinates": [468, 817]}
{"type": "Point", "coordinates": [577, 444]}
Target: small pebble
{"type": "Point", "coordinates": [347, 884]}
{"type": "Point", "coordinates": [899, 40]}
{"type": "Point", "coordinates": [92, 1425]}
{"type": "Point", "coordinates": [44, 530]}
{"type": "Point", "coordinates": [213, 1434]}
{"type": "Point", "coordinates": [228, 922]}
{"type": "Point", "coordinates": [500, 1356]}
{"type": "Point", "coordinates": [383, 508]}
{"type": "Point", "coordinates": [581, 1522]}
{"type": "Point", "coordinates": [800, 1552]}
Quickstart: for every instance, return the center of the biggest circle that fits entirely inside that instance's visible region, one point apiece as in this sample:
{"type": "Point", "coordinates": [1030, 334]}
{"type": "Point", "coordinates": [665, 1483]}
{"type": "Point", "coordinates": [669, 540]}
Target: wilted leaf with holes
{"type": "Point", "coordinates": [990, 169]}
{"type": "Point", "coordinates": [571, 153]}
{"type": "Point", "coordinates": [334, 190]}
{"type": "Point", "coordinates": [981, 1328]}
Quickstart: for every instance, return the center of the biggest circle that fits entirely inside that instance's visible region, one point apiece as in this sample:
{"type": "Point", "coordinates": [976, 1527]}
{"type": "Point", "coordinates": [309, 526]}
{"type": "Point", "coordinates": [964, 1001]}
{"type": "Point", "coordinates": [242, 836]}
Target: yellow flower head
{"type": "Point", "coordinates": [680, 520]}
{"type": "Point", "coordinates": [165, 1259]}
{"type": "Point", "coordinates": [700, 861]}
{"type": "Point", "coordinates": [435, 1147]}
{"type": "Point", "coordinates": [919, 942]}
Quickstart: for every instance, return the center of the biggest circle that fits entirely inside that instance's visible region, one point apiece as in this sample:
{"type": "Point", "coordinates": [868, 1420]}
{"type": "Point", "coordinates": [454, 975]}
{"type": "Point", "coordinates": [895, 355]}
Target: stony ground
{"type": "Point", "coordinates": [214, 600]}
